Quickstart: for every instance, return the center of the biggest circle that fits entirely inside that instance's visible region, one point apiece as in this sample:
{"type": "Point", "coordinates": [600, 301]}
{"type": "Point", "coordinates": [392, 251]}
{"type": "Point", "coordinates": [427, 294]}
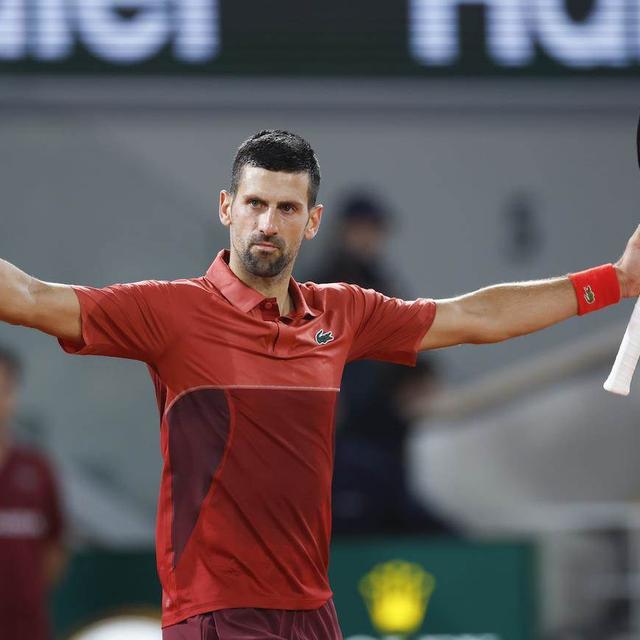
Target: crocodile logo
{"type": "Point", "coordinates": [322, 337]}
{"type": "Point", "coordinates": [589, 296]}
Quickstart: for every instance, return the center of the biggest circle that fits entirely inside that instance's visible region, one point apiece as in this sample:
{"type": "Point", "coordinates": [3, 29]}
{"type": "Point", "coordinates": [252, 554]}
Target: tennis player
{"type": "Point", "coordinates": [246, 364]}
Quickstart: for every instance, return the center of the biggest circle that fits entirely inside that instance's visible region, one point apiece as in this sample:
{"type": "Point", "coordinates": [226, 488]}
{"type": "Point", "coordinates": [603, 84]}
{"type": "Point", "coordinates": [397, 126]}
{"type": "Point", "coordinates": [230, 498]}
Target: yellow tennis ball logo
{"type": "Point", "coordinates": [397, 594]}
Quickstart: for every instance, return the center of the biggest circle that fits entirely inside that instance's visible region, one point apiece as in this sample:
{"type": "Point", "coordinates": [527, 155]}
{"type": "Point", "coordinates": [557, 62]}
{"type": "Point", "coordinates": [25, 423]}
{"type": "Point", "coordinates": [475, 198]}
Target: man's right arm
{"type": "Point", "coordinates": [26, 301]}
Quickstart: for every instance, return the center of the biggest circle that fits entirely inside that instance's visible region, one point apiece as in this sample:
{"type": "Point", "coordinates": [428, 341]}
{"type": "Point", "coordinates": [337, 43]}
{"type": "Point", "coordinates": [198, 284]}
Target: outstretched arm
{"type": "Point", "coordinates": [505, 311]}
{"type": "Point", "coordinates": [500, 312]}
{"type": "Point", "coordinates": [26, 301]}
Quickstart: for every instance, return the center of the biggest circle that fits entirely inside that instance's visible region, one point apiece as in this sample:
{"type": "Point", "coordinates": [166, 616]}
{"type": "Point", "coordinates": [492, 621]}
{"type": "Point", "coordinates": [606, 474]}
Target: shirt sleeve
{"type": "Point", "coordinates": [125, 320]}
{"type": "Point", "coordinates": [388, 328]}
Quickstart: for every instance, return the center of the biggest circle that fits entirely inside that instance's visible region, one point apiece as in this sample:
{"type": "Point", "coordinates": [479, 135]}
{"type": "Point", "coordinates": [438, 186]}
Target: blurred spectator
{"type": "Point", "coordinates": [359, 246]}
{"type": "Point", "coordinates": [31, 550]}
{"type": "Point", "coordinates": [370, 492]}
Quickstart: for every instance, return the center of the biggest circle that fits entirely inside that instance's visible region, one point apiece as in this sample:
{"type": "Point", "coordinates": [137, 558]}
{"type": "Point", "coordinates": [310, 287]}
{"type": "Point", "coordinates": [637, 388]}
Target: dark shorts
{"type": "Point", "coordinates": [259, 624]}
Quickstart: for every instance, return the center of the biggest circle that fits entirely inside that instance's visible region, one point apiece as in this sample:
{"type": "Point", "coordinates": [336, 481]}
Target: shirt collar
{"type": "Point", "coordinates": [245, 298]}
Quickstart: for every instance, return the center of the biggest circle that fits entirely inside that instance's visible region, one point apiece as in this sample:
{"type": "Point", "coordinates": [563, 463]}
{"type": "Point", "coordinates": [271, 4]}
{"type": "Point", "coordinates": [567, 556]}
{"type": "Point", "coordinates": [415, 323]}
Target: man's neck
{"type": "Point", "coordinates": [276, 287]}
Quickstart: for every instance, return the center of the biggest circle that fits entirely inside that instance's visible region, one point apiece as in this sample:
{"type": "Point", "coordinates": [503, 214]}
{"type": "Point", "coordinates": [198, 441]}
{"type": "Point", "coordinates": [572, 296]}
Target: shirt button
{"type": "Point", "coordinates": [268, 305]}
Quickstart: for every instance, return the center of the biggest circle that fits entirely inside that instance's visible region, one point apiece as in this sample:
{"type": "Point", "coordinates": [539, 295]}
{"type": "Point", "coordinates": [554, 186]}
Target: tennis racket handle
{"type": "Point", "coordinates": [619, 379]}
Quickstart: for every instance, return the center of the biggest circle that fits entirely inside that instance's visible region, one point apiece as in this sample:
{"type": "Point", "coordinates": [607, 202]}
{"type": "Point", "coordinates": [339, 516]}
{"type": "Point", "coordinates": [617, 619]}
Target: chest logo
{"type": "Point", "coordinates": [322, 337]}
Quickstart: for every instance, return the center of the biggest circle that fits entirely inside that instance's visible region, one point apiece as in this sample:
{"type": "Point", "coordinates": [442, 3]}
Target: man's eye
{"type": "Point", "coordinates": [254, 203]}
{"type": "Point", "coordinates": [287, 208]}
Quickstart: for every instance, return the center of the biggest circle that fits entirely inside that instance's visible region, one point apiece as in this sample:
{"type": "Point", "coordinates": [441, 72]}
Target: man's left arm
{"type": "Point", "coordinates": [505, 311]}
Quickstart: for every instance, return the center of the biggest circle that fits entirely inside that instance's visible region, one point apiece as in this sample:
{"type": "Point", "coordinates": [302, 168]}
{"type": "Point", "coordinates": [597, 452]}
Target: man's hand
{"type": "Point", "coordinates": [628, 267]}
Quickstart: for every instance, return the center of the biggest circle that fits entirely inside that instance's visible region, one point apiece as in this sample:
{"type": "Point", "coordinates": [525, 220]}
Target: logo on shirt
{"type": "Point", "coordinates": [322, 337]}
{"type": "Point", "coordinates": [589, 296]}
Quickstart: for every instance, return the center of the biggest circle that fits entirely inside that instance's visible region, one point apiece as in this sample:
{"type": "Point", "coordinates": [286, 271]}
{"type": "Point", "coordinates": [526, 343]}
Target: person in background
{"type": "Point", "coordinates": [32, 554]}
{"type": "Point", "coordinates": [370, 490]}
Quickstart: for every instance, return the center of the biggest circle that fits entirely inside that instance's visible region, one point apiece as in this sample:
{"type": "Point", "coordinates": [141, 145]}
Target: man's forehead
{"type": "Point", "coordinates": [275, 184]}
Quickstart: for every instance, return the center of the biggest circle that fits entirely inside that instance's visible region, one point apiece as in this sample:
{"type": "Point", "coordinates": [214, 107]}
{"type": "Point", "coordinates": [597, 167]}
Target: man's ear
{"type": "Point", "coordinates": [313, 224]}
{"type": "Point", "coordinates": [224, 208]}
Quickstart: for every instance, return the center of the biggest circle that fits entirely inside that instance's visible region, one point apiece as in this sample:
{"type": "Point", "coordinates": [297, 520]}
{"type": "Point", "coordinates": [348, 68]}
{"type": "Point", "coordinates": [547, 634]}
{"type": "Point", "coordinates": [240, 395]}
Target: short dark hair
{"type": "Point", "coordinates": [278, 150]}
{"type": "Point", "coordinates": [11, 362]}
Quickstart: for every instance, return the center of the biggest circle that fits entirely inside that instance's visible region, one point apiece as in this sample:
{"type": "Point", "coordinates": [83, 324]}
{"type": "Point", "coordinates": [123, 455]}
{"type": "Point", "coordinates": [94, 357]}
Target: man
{"type": "Point", "coordinates": [31, 550]}
{"type": "Point", "coordinates": [246, 364]}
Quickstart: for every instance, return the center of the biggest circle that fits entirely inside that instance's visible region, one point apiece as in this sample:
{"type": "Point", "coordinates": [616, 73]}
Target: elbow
{"type": "Point", "coordinates": [488, 330]}
{"type": "Point", "coordinates": [19, 318]}
{"type": "Point", "coordinates": [16, 314]}
{"type": "Point", "coordinates": [494, 332]}
{"type": "Point", "coordinates": [489, 338]}
{"type": "Point", "coordinates": [466, 320]}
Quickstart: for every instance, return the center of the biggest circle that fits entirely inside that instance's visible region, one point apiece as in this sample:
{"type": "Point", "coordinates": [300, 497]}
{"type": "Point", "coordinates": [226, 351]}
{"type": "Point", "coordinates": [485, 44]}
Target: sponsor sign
{"type": "Point", "coordinates": [396, 589]}
{"type": "Point", "coordinates": [365, 37]}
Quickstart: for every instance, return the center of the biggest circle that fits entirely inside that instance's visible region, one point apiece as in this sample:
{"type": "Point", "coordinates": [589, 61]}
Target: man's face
{"type": "Point", "coordinates": [268, 218]}
{"type": "Point", "coordinates": [8, 397]}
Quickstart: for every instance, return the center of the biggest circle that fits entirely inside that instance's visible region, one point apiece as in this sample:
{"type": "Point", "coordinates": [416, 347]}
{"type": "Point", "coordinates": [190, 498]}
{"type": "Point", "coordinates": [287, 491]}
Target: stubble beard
{"type": "Point", "coordinates": [265, 265]}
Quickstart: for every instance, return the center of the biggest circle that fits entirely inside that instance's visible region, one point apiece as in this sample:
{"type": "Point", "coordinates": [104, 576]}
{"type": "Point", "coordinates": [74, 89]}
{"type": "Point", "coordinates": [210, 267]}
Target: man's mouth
{"type": "Point", "coordinates": [266, 246]}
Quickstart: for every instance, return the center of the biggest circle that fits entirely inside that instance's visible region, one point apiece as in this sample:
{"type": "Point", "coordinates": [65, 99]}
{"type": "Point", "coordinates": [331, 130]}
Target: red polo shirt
{"type": "Point", "coordinates": [247, 400]}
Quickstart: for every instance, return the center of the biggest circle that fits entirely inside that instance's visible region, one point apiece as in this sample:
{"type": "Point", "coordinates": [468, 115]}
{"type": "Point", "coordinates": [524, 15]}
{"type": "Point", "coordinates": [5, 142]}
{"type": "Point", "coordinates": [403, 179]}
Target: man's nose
{"type": "Point", "coordinates": [267, 223]}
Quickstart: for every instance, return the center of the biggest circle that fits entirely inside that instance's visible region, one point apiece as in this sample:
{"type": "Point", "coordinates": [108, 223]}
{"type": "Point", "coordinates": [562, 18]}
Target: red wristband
{"type": "Point", "coordinates": [596, 288]}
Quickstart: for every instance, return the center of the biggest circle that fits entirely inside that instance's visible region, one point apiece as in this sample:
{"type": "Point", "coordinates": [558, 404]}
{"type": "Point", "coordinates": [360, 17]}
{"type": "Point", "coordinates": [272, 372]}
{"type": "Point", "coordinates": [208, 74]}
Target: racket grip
{"type": "Point", "coordinates": [619, 379]}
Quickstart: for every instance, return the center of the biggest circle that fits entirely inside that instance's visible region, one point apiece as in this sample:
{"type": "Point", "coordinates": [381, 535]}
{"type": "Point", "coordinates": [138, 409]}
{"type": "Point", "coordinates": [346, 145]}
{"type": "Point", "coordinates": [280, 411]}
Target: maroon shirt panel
{"type": "Point", "coordinates": [198, 435]}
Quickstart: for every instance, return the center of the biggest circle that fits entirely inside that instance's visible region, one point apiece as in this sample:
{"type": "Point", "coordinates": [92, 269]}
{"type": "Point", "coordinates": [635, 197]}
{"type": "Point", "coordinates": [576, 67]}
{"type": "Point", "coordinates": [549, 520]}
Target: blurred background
{"type": "Point", "coordinates": [462, 143]}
